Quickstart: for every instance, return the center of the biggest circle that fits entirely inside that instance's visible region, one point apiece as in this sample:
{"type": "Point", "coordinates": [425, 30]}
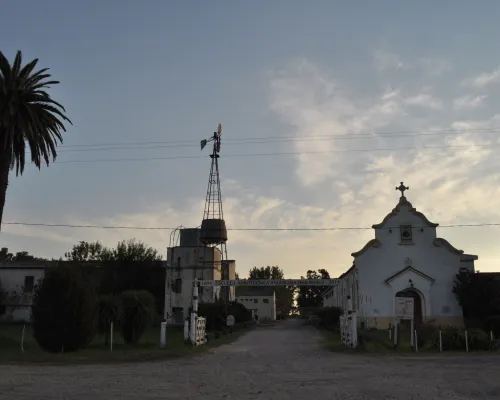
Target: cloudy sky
{"type": "Point", "coordinates": [326, 106]}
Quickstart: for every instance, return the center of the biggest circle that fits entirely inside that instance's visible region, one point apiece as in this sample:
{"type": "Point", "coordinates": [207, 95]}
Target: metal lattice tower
{"type": "Point", "coordinates": [213, 226]}
{"type": "Point", "coordinates": [213, 201]}
{"type": "Point", "coordinates": [213, 231]}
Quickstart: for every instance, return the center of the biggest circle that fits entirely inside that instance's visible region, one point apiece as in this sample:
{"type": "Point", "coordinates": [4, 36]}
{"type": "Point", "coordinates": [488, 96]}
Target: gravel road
{"type": "Point", "coordinates": [280, 362]}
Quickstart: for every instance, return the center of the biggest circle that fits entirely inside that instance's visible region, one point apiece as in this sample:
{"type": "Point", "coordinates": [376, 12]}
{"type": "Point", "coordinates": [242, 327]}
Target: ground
{"type": "Point", "coordinates": [280, 362]}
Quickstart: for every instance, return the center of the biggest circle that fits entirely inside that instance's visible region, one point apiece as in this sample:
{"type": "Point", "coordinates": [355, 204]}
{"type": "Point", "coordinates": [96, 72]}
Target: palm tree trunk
{"type": "Point", "coordinates": [4, 179]}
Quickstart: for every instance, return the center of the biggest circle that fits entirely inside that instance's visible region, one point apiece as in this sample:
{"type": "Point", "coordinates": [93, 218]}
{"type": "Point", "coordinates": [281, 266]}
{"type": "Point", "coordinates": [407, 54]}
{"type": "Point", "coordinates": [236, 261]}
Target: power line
{"type": "Point", "coordinates": [242, 229]}
{"type": "Point", "coordinates": [267, 139]}
{"type": "Point", "coordinates": [278, 153]}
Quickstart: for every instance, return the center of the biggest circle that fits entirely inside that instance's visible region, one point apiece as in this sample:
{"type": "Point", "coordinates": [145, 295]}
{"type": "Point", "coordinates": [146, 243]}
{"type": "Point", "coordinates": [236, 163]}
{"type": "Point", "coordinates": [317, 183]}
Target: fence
{"type": "Point", "coordinates": [200, 333]}
{"type": "Point", "coordinates": [348, 329]}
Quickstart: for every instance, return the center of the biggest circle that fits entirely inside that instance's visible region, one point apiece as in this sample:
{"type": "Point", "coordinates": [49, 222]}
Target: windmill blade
{"type": "Point", "coordinates": [203, 143]}
{"type": "Point", "coordinates": [219, 129]}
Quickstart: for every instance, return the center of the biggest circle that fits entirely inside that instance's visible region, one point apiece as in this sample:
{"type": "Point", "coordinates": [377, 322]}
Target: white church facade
{"type": "Point", "coordinates": [405, 259]}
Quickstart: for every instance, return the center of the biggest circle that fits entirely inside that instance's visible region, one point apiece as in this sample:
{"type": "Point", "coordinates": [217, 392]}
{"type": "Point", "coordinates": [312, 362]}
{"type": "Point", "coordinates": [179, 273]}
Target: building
{"type": "Point", "coordinates": [189, 261]}
{"type": "Point", "coordinates": [260, 300]}
{"type": "Point", "coordinates": [405, 259]}
{"type": "Point", "coordinates": [17, 280]}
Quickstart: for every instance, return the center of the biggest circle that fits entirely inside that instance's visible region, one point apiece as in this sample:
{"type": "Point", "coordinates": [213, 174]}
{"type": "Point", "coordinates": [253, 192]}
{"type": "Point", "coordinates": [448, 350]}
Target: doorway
{"type": "Point", "coordinates": [417, 305]}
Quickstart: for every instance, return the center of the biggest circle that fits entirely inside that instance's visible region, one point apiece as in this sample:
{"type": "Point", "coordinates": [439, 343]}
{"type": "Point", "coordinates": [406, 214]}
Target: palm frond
{"type": "Point", "coordinates": [29, 117]}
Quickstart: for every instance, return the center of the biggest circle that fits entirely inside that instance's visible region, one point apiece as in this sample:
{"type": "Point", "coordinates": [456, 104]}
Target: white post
{"type": "Point", "coordinates": [111, 337]}
{"type": "Point", "coordinates": [194, 312]}
{"type": "Point", "coordinates": [186, 330]}
{"type": "Point", "coordinates": [412, 333]}
{"type": "Point", "coordinates": [440, 341]}
{"type": "Point", "coordinates": [395, 332]}
{"type": "Point", "coordinates": [415, 340]}
{"type": "Point", "coordinates": [354, 330]}
{"type": "Point", "coordinates": [163, 334]}
{"type": "Point", "coordinates": [22, 338]}
{"type": "Point", "coordinates": [466, 342]}
{"type": "Point", "coordinates": [390, 333]}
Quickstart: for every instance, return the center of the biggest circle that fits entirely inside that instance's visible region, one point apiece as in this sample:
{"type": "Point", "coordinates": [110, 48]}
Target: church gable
{"type": "Point", "coordinates": [404, 206]}
{"type": "Point", "coordinates": [408, 229]}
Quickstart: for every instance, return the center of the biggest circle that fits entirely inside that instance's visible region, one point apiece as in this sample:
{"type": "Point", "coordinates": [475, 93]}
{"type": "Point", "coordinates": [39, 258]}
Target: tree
{"type": "Point", "coordinates": [284, 294]}
{"type": "Point", "coordinates": [85, 251]}
{"type": "Point", "coordinates": [20, 256]}
{"type": "Point", "coordinates": [138, 314]}
{"type": "Point", "coordinates": [64, 310]}
{"type": "Point", "coordinates": [12, 300]}
{"type": "Point", "coordinates": [132, 265]}
{"type": "Point", "coordinates": [478, 295]}
{"type": "Point", "coordinates": [29, 117]}
{"type": "Point", "coordinates": [312, 296]}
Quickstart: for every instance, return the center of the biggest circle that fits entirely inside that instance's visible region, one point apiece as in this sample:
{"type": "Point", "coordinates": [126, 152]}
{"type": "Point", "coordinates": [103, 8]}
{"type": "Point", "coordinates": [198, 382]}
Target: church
{"type": "Point", "coordinates": [405, 259]}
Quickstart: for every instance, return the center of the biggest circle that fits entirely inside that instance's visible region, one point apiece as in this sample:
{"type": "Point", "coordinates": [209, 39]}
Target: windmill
{"type": "Point", "coordinates": [213, 232]}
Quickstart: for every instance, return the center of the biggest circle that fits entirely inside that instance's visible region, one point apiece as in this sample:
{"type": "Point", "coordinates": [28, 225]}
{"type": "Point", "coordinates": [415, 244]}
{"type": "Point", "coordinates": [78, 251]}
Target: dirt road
{"type": "Point", "coordinates": [281, 362]}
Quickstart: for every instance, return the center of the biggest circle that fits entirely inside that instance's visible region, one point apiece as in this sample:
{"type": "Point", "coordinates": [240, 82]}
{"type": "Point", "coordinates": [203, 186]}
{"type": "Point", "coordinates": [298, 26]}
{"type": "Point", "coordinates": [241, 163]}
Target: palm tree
{"type": "Point", "coordinates": [28, 118]}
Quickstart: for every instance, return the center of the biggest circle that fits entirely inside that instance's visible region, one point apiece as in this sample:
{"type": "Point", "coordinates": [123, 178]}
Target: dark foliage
{"type": "Point", "coordinates": [479, 296]}
{"type": "Point", "coordinates": [329, 317]}
{"type": "Point", "coordinates": [284, 294]}
{"type": "Point", "coordinates": [64, 310]}
{"type": "Point", "coordinates": [29, 119]}
{"type": "Point", "coordinates": [454, 339]}
{"type": "Point", "coordinates": [215, 314]}
{"type": "Point", "coordinates": [138, 314]}
{"type": "Point", "coordinates": [493, 324]}
{"type": "Point", "coordinates": [109, 310]}
{"type": "Point", "coordinates": [426, 334]}
{"type": "Point", "coordinates": [312, 296]}
{"type": "Point", "coordinates": [132, 265]}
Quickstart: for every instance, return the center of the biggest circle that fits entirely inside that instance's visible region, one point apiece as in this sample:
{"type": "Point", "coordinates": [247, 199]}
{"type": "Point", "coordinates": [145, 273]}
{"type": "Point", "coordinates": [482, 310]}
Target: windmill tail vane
{"type": "Point", "coordinates": [216, 138]}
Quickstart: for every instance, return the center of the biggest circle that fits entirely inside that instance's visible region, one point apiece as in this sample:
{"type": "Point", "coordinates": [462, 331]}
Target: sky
{"type": "Point", "coordinates": [326, 106]}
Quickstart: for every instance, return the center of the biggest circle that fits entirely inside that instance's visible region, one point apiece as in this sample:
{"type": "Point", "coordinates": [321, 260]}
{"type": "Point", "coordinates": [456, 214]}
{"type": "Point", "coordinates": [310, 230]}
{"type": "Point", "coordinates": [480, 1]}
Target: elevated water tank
{"type": "Point", "coordinates": [190, 237]}
{"type": "Point", "coordinates": [213, 231]}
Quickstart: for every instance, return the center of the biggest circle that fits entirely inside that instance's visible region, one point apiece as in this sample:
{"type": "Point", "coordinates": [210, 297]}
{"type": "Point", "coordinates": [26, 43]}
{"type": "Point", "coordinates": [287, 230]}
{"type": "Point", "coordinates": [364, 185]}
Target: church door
{"type": "Point", "coordinates": [417, 304]}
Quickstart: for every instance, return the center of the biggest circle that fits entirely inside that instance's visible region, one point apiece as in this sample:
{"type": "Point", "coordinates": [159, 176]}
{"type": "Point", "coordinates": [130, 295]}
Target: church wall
{"type": "Point", "coordinates": [375, 265]}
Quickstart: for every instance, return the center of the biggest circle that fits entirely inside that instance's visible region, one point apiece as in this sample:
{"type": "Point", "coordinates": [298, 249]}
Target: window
{"type": "Point", "coordinates": [29, 282]}
{"type": "Point", "coordinates": [266, 301]}
{"type": "Point", "coordinates": [255, 301]}
{"type": "Point", "coordinates": [405, 231]}
{"type": "Point", "coordinates": [178, 285]}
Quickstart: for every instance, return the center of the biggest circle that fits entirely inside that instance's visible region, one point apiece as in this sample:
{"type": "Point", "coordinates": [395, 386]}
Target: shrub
{"type": "Point", "coordinates": [427, 334]}
{"type": "Point", "coordinates": [329, 317]}
{"type": "Point", "coordinates": [138, 314]}
{"type": "Point", "coordinates": [477, 339]}
{"type": "Point", "coordinates": [109, 309]}
{"type": "Point", "coordinates": [64, 310]}
{"type": "Point", "coordinates": [452, 339]}
{"type": "Point", "coordinates": [215, 314]}
{"type": "Point", "coordinates": [493, 324]}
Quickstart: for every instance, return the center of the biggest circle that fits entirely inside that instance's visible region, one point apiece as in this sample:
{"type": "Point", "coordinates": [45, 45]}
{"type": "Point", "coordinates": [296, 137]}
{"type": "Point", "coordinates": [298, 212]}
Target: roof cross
{"type": "Point", "coordinates": [402, 189]}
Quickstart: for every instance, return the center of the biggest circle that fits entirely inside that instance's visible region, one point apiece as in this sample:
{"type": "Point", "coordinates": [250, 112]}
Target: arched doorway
{"type": "Point", "coordinates": [417, 304]}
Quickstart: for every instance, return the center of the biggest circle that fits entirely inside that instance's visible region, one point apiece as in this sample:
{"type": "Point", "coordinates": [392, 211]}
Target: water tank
{"type": "Point", "coordinates": [190, 237]}
{"type": "Point", "coordinates": [213, 231]}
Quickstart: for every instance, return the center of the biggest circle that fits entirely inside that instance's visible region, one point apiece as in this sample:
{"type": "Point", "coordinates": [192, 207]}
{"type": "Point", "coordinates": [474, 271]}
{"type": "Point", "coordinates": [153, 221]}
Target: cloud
{"type": "Point", "coordinates": [347, 181]}
{"type": "Point", "coordinates": [424, 100]}
{"type": "Point", "coordinates": [469, 101]}
{"type": "Point", "coordinates": [454, 170]}
{"type": "Point", "coordinates": [484, 79]}
{"type": "Point", "coordinates": [433, 66]}
{"type": "Point", "coordinates": [385, 61]}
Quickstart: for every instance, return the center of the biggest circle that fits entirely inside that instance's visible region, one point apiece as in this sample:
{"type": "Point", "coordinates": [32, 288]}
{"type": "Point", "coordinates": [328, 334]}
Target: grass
{"type": "Point", "coordinates": [381, 344]}
{"type": "Point", "coordinates": [148, 348]}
